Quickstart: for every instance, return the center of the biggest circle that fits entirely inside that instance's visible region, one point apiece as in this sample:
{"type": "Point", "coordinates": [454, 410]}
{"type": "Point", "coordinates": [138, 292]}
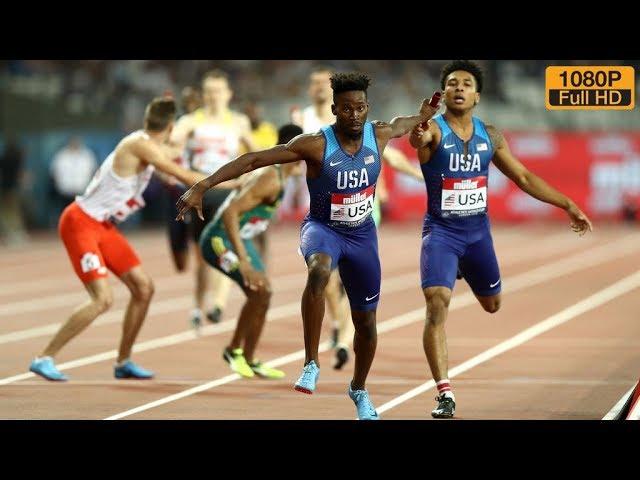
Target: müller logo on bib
{"type": "Point", "coordinates": [351, 207]}
{"type": "Point", "coordinates": [464, 183]}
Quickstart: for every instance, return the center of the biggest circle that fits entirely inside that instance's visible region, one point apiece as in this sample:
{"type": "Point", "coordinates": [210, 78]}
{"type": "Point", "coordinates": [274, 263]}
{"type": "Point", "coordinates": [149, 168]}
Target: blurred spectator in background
{"type": "Point", "coordinates": [11, 177]}
{"type": "Point", "coordinates": [190, 99]}
{"type": "Point", "coordinates": [213, 136]}
{"type": "Point", "coordinates": [264, 134]}
{"type": "Point", "coordinates": [71, 171]}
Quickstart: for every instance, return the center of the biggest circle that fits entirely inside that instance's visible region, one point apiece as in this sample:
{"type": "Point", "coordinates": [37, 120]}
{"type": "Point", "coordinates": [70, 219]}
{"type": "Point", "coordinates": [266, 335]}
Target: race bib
{"type": "Point", "coordinates": [463, 197]}
{"type": "Point", "coordinates": [131, 206]}
{"type": "Point", "coordinates": [352, 207]}
{"type": "Point", "coordinates": [90, 261]}
{"type": "Point", "coordinates": [228, 261]}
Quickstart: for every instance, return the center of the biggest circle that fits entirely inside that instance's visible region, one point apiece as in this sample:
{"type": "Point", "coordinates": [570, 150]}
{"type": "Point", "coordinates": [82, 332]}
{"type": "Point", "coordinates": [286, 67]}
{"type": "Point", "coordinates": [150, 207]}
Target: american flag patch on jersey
{"type": "Point", "coordinates": [450, 200]}
{"type": "Point", "coordinates": [369, 159]}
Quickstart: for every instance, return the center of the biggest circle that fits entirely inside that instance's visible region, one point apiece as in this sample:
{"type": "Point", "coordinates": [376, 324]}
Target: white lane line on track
{"type": "Point", "coordinates": [615, 410]}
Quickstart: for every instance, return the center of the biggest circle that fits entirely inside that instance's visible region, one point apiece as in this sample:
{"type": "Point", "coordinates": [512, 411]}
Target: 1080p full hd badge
{"type": "Point", "coordinates": [590, 88]}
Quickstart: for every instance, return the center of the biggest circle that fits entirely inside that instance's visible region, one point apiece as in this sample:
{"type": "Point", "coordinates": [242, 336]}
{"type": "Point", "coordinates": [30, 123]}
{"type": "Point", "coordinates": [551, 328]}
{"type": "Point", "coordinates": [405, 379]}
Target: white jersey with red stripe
{"type": "Point", "coordinates": [213, 145]}
{"type": "Point", "coordinates": [111, 197]}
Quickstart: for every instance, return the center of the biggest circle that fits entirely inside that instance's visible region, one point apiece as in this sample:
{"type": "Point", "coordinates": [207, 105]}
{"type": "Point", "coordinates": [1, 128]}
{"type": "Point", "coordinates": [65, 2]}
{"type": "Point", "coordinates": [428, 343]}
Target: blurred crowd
{"type": "Point", "coordinates": [118, 90]}
{"type": "Point", "coordinates": [122, 87]}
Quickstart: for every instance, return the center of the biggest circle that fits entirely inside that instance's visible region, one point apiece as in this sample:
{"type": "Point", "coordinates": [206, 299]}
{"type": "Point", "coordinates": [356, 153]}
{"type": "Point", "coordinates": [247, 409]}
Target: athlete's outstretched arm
{"type": "Point", "coordinates": [162, 157]}
{"type": "Point", "coordinates": [291, 152]}
{"type": "Point", "coordinates": [158, 156]}
{"type": "Point", "coordinates": [398, 161]}
{"type": "Point", "coordinates": [173, 153]}
{"type": "Point", "coordinates": [535, 186]}
{"type": "Point", "coordinates": [400, 126]}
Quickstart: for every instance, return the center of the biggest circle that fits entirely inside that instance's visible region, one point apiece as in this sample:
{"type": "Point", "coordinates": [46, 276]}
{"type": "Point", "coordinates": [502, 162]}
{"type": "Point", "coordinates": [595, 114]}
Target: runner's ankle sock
{"type": "Point", "coordinates": [196, 312]}
{"type": "Point", "coordinates": [121, 364]}
{"type": "Point", "coordinates": [444, 388]}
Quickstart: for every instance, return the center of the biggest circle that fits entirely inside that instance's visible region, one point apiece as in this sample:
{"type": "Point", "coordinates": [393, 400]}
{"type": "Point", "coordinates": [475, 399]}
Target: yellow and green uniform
{"type": "Point", "coordinates": [265, 136]}
{"type": "Point", "coordinates": [216, 247]}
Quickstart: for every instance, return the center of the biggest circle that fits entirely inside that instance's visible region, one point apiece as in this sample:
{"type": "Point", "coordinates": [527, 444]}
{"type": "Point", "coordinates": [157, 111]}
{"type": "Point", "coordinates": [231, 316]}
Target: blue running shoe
{"type": "Point", "coordinates": [131, 370]}
{"type": "Point", "coordinates": [46, 368]}
{"type": "Point", "coordinates": [307, 381]}
{"type": "Point", "coordinates": [366, 410]}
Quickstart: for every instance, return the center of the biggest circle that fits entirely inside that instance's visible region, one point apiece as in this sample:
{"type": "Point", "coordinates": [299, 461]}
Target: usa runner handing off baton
{"type": "Point", "coordinates": [343, 163]}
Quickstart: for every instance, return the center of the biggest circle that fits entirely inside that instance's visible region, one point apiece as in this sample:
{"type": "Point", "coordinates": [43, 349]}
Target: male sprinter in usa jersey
{"type": "Point", "coordinates": [313, 118]}
{"type": "Point", "coordinates": [343, 163]}
{"type": "Point", "coordinates": [454, 152]}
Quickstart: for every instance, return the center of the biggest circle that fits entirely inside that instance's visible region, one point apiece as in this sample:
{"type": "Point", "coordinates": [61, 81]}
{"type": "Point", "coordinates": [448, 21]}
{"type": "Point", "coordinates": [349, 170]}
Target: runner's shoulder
{"type": "Point", "coordinates": [309, 146]}
{"type": "Point", "coordinates": [133, 141]}
{"type": "Point", "coordinates": [306, 141]}
{"type": "Point", "coordinates": [496, 136]}
{"type": "Point", "coordinates": [140, 145]}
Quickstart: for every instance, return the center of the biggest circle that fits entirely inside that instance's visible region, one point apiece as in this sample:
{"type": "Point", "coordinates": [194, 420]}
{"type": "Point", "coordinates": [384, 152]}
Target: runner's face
{"type": "Point", "coordinates": [351, 109]}
{"type": "Point", "coordinates": [320, 87]}
{"type": "Point", "coordinates": [216, 93]}
{"type": "Point", "coordinates": [460, 91]}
